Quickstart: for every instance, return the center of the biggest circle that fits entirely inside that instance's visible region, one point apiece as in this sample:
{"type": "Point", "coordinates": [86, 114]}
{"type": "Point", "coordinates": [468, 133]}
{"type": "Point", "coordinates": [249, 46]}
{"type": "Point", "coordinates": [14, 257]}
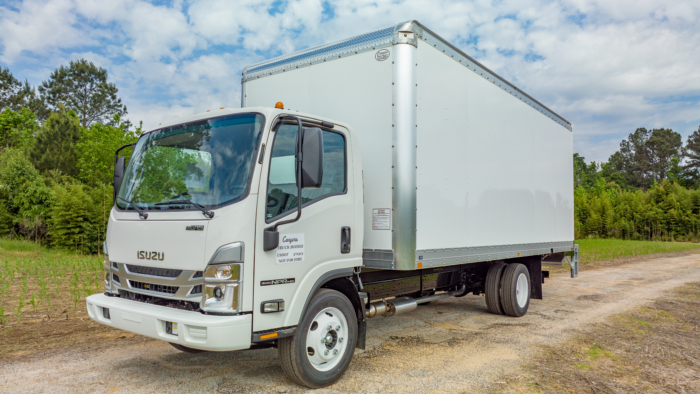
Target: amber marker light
{"type": "Point", "coordinates": [279, 105]}
{"type": "Point", "coordinates": [268, 336]}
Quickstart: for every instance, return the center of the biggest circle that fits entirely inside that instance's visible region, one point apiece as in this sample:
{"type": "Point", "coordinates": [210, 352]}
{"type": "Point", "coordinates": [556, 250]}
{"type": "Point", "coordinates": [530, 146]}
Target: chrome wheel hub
{"type": "Point", "coordinates": [325, 340]}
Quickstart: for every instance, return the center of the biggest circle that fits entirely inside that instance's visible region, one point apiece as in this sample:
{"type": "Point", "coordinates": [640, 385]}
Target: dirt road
{"type": "Point", "coordinates": [451, 345]}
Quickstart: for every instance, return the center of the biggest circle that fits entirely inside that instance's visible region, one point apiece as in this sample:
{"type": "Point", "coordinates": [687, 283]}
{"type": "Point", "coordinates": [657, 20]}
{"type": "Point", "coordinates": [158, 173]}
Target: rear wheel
{"type": "Point", "coordinates": [321, 349]}
{"type": "Point", "coordinates": [185, 348]}
{"type": "Point", "coordinates": [493, 288]}
{"type": "Point", "coordinates": [515, 290]}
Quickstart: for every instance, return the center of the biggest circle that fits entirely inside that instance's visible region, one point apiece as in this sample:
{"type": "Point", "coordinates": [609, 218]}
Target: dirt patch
{"type": "Point", "coordinates": [41, 337]}
{"type": "Point", "coordinates": [655, 348]}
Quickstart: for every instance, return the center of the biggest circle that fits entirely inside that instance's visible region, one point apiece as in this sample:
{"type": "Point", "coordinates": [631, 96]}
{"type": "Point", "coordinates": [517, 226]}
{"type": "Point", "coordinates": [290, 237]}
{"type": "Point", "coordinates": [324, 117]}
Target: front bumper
{"type": "Point", "coordinates": [195, 330]}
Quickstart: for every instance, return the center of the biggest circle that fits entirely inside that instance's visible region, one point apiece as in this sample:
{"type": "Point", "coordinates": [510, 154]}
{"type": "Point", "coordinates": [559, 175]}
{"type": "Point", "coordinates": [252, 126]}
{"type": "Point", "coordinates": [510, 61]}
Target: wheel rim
{"type": "Point", "coordinates": [521, 290]}
{"type": "Point", "coordinates": [327, 339]}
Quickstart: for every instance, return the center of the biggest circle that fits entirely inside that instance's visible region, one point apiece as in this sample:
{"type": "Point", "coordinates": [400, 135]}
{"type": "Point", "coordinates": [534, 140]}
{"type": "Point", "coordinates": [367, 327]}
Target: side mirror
{"type": "Point", "coordinates": [118, 175]}
{"type": "Point", "coordinates": [312, 158]}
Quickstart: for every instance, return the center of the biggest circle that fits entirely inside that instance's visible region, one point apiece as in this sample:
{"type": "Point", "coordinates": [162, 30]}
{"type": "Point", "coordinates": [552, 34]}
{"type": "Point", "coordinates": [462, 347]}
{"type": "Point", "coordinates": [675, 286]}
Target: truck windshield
{"type": "Point", "coordinates": [209, 162]}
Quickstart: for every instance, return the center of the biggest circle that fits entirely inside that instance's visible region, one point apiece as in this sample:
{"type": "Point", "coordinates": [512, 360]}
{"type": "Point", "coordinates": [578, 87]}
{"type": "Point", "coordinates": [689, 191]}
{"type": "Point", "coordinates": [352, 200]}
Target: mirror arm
{"type": "Point", "coordinates": [299, 173]}
{"type": "Point", "coordinates": [116, 153]}
{"type": "Point", "coordinates": [271, 238]}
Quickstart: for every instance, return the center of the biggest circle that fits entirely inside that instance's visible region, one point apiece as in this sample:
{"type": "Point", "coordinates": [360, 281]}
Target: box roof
{"type": "Point", "coordinates": [386, 37]}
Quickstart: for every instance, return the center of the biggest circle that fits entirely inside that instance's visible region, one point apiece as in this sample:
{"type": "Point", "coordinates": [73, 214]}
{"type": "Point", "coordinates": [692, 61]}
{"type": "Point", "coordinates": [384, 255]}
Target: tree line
{"type": "Point", "coordinates": [57, 144]}
{"type": "Point", "coordinates": [647, 190]}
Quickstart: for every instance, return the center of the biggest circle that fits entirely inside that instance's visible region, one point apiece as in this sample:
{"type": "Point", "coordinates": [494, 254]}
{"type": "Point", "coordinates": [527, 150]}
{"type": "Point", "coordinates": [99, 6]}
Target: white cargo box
{"type": "Point", "coordinates": [459, 165]}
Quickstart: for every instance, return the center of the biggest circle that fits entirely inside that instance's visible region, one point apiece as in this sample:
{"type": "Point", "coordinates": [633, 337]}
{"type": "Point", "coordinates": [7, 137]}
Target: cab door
{"type": "Point", "coordinates": [311, 246]}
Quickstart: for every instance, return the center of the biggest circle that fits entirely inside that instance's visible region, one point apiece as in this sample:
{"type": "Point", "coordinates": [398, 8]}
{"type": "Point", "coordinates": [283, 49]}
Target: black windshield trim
{"type": "Point", "coordinates": [240, 198]}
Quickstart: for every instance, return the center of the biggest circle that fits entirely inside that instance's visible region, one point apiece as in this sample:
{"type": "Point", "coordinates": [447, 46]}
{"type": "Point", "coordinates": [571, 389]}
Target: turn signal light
{"type": "Point", "coordinates": [279, 105]}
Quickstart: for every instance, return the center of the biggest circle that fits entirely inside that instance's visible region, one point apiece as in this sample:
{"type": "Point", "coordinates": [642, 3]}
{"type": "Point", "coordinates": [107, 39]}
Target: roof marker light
{"type": "Point", "coordinates": [279, 105]}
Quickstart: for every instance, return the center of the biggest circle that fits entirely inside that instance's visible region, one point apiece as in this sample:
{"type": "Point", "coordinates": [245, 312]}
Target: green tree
{"type": "Point", "coordinates": [54, 148]}
{"type": "Point", "coordinates": [24, 196]}
{"type": "Point", "coordinates": [16, 95]}
{"type": "Point", "coordinates": [585, 175]}
{"type": "Point", "coordinates": [96, 148]}
{"type": "Point", "coordinates": [692, 152]}
{"type": "Point", "coordinates": [77, 216]}
{"type": "Point", "coordinates": [83, 87]}
{"type": "Point", "coordinates": [17, 128]}
{"type": "Point", "coordinates": [646, 156]}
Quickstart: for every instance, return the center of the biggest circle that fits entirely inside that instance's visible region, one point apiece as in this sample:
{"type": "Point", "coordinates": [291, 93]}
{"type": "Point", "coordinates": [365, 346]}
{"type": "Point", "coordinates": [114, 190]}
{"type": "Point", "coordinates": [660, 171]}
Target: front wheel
{"type": "Point", "coordinates": [321, 349]}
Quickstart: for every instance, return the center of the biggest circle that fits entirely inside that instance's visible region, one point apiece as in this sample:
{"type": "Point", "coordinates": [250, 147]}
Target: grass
{"type": "Point", "coordinates": [39, 286]}
{"type": "Point", "coordinates": [591, 250]}
{"type": "Point", "coordinates": [650, 349]}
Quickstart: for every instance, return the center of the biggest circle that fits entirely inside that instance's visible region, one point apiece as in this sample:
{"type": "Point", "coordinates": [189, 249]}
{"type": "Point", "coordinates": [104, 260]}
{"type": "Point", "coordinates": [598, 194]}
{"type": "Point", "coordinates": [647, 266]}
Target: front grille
{"type": "Point", "coordinates": [153, 300]}
{"type": "Point", "coordinates": [197, 274]}
{"type": "Point", "coordinates": [115, 278]}
{"type": "Point", "coordinates": [196, 290]}
{"type": "Point", "coordinates": [153, 271]}
{"type": "Point", "coordinates": [114, 265]}
{"type": "Point", "coordinates": [153, 287]}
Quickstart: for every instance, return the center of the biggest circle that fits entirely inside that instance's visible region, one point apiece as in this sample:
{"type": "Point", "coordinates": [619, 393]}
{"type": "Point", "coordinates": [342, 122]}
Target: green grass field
{"type": "Point", "coordinates": [591, 250]}
{"type": "Point", "coordinates": [37, 283]}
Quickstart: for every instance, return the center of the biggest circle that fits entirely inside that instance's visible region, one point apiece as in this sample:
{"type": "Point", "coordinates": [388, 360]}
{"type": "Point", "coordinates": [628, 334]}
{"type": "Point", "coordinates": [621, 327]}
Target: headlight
{"type": "Point", "coordinates": [222, 272]}
{"type": "Point", "coordinates": [221, 290]}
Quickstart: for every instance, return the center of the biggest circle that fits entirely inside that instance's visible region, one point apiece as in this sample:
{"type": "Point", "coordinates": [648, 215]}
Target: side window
{"type": "Point", "coordinates": [281, 185]}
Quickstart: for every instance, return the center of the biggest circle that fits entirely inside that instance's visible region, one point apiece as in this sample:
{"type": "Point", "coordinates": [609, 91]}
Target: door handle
{"type": "Point", "coordinates": [345, 240]}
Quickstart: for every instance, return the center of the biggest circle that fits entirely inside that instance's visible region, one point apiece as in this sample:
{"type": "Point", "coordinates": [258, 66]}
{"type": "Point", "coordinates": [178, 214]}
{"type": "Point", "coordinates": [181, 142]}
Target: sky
{"type": "Point", "coordinates": [607, 66]}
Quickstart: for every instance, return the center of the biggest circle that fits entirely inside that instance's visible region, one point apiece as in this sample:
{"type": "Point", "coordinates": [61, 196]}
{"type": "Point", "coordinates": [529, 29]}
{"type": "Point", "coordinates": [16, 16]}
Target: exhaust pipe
{"type": "Point", "coordinates": [401, 305]}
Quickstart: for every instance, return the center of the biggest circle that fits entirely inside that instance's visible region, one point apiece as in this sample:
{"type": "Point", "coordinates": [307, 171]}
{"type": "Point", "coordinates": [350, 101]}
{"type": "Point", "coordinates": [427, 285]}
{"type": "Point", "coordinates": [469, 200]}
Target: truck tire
{"type": "Point", "coordinates": [320, 351]}
{"type": "Point", "coordinates": [185, 348]}
{"type": "Point", "coordinates": [493, 288]}
{"type": "Point", "coordinates": [515, 290]}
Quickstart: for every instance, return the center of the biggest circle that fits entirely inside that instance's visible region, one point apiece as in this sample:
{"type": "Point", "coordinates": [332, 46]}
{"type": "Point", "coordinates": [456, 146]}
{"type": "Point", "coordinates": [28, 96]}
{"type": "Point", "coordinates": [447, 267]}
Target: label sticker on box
{"type": "Point", "coordinates": [174, 328]}
{"type": "Point", "coordinates": [291, 248]}
{"type": "Point", "coordinates": [381, 219]}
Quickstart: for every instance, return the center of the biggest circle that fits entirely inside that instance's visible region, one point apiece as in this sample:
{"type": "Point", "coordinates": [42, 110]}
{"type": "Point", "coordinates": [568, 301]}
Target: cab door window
{"type": "Point", "coordinates": [281, 185]}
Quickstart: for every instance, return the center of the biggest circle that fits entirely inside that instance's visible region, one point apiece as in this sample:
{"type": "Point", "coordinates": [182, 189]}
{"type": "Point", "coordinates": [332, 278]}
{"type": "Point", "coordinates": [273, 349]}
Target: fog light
{"type": "Point", "coordinates": [272, 306]}
{"type": "Point", "coordinates": [221, 298]}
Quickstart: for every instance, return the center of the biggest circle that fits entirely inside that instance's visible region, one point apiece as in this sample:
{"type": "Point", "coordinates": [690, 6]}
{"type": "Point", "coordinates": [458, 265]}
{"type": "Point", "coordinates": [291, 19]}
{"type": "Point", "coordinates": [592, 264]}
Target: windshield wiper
{"type": "Point", "coordinates": [142, 212]}
{"type": "Point", "coordinates": [185, 201]}
{"type": "Point", "coordinates": [186, 192]}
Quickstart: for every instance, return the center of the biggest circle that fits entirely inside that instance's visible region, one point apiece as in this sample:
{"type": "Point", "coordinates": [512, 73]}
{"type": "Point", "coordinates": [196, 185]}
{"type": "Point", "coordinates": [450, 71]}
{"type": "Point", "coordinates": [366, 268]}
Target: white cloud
{"type": "Point", "coordinates": [607, 66]}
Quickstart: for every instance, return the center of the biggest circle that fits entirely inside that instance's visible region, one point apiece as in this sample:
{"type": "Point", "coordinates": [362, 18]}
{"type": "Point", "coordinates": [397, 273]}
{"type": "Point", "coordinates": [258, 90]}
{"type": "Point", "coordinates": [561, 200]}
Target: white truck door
{"type": "Point", "coordinates": [311, 246]}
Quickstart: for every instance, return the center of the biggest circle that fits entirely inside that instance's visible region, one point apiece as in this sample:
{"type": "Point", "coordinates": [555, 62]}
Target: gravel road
{"type": "Point", "coordinates": [450, 346]}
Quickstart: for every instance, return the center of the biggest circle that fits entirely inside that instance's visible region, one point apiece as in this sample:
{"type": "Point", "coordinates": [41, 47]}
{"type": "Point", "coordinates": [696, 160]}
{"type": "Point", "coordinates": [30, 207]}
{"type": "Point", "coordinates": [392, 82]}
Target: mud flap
{"type": "Point", "coordinates": [361, 334]}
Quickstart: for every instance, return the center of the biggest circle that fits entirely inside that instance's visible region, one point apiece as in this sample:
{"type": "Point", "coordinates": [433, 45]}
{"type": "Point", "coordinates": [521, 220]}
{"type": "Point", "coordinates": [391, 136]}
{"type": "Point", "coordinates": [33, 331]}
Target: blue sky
{"type": "Point", "coordinates": [606, 66]}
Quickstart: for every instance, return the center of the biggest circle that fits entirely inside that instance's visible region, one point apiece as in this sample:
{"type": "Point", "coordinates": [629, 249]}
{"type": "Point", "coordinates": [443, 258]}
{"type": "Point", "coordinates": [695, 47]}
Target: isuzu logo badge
{"type": "Point", "coordinates": [142, 255]}
{"type": "Point", "coordinates": [196, 227]}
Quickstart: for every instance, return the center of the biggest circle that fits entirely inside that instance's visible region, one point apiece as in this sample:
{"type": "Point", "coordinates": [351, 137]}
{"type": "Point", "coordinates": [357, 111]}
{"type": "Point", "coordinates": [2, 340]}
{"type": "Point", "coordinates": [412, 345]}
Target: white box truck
{"type": "Point", "coordinates": [421, 175]}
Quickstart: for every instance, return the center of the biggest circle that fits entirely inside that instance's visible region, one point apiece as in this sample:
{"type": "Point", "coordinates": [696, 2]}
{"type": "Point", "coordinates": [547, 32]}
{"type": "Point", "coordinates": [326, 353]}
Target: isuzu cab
{"type": "Point", "coordinates": [359, 179]}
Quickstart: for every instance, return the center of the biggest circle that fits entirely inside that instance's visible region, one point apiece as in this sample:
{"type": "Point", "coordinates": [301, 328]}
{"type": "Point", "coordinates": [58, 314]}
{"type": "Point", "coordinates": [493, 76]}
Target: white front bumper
{"type": "Point", "coordinates": [195, 330]}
